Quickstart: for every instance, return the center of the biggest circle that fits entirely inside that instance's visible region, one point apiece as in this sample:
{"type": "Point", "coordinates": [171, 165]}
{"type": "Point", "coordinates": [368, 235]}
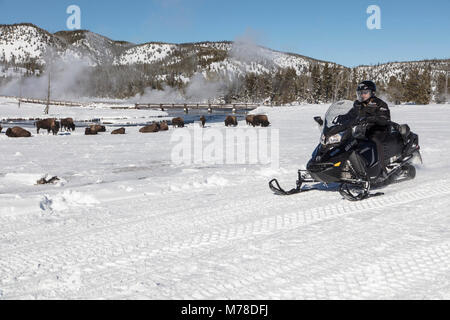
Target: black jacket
{"type": "Point", "coordinates": [374, 112]}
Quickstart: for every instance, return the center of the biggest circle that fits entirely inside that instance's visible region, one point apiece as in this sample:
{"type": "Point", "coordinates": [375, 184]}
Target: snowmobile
{"type": "Point", "coordinates": [346, 158]}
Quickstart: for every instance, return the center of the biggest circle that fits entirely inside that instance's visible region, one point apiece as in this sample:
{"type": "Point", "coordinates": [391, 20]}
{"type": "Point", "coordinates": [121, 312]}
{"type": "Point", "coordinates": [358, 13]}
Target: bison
{"type": "Point", "coordinates": [89, 132]}
{"type": "Point", "coordinates": [163, 126]}
{"type": "Point", "coordinates": [151, 128]}
{"type": "Point", "coordinates": [203, 120]}
{"type": "Point", "coordinates": [17, 132]}
{"type": "Point", "coordinates": [178, 122]}
{"type": "Point", "coordinates": [119, 131]}
{"type": "Point", "coordinates": [261, 120]}
{"type": "Point", "coordinates": [231, 121]}
{"type": "Point", "coordinates": [67, 124]}
{"type": "Point", "coordinates": [1, 129]}
{"type": "Point", "coordinates": [48, 124]}
{"type": "Point", "coordinates": [97, 128]}
{"type": "Point", "coordinates": [56, 128]}
{"type": "Point", "coordinates": [250, 120]}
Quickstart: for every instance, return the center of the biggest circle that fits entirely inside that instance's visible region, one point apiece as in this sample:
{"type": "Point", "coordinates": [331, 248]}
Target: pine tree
{"type": "Point", "coordinates": [288, 89]}
{"type": "Point", "coordinates": [352, 85]}
{"type": "Point", "coordinates": [395, 90]}
{"type": "Point", "coordinates": [327, 83]}
{"type": "Point", "coordinates": [425, 87]}
{"type": "Point", "coordinates": [250, 86]}
{"type": "Point", "coordinates": [316, 90]}
{"type": "Point", "coordinates": [412, 86]}
{"type": "Point", "coordinates": [418, 86]}
{"type": "Point", "coordinates": [440, 88]}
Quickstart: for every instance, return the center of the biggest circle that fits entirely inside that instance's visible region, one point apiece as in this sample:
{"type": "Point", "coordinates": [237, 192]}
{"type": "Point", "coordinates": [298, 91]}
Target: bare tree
{"type": "Point", "coordinates": [49, 57]}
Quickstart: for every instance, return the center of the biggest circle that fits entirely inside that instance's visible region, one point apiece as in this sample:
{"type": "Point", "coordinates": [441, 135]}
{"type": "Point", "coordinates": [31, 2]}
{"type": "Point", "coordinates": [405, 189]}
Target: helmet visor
{"type": "Point", "coordinates": [363, 95]}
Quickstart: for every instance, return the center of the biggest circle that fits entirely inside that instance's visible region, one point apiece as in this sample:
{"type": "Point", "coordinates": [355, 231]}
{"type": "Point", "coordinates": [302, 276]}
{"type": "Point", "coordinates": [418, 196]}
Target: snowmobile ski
{"type": "Point", "coordinates": [302, 177]}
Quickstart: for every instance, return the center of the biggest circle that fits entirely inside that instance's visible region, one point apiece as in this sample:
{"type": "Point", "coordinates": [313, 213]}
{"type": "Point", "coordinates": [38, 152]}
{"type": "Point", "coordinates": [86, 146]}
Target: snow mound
{"type": "Point", "coordinates": [22, 178]}
{"type": "Point", "coordinates": [216, 180]}
{"type": "Point", "coordinates": [28, 179]}
{"type": "Point", "coordinates": [200, 183]}
{"type": "Point", "coordinates": [270, 172]}
{"type": "Point", "coordinates": [65, 200]}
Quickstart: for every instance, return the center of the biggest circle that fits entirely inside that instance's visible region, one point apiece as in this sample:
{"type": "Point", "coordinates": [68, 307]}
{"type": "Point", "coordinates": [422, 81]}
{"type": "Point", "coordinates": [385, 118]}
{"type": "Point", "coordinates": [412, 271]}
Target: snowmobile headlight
{"type": "Point", "coordinates": [323, 139]}
{"type": "Point", "coordinates": [335, 139]}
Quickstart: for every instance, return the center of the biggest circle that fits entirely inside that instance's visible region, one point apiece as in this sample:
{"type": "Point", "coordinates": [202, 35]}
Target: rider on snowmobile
{"type": "Point", "coordinates": [360, 149]}
{"type": "Point", "coordinates": [371, 115]}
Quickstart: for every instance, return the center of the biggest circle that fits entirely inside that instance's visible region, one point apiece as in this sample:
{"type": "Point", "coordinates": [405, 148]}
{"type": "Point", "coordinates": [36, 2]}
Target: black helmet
{"type": "Point", "coordinates": [366, 85]}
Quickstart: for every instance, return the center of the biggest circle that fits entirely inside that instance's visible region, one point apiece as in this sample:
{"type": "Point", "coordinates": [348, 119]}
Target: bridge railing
{"type": "Point", "coordinates": [162, 106]}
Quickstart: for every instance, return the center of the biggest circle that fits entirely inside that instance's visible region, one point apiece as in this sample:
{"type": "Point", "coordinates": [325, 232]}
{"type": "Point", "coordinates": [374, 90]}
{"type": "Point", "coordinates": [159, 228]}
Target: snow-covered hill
{"type": "Point", "coordinates": [146, 53]}
{"type": "Point", "coordinates": [383, 72]}
{"type": "Point", "coordinates": [23, 41]}
{"type": "Point", "coordinates": [99, 49]}
{"type": "Point", "coordinates": [156, 65]}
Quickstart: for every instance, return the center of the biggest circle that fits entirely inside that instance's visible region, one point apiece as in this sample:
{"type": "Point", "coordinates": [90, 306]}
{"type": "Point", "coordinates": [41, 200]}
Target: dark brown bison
{"type": "Point", "coordinates": [178, 122]}
{"type": "Point", "coordinates": [250, 119]}
{"type": "Point", "coordinates": [89, 132]}
{"type": "Point", "coordinates": [261, 120]}
{"type": "Point", "coordinates": [17, 132]}
{"type": "Point", "coordinates": [48, 124]}
{"type": "Point", "coordinates": [231, 121]}
{"type": "Point", "coordinates": [56, 128]}
{"type": "Point", "coordinates": [203, 120]}
{"type": "Point", "coordinates": [119, 131]}
{"type": "Point", "coordinates": [67, 124]}
{"type": "Point", "coordinates": [1, 129]}
{"type": "Point", "coordinates": [97, 128]}
{"type": "Point", "coordinates": [151, 128]}
{"type": "Point", "coordinates": [163, 126]}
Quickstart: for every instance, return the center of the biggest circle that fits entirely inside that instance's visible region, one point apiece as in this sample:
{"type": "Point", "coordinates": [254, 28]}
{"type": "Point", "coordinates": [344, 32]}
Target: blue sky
{"type": "Point", "coordinates": [327, 30]}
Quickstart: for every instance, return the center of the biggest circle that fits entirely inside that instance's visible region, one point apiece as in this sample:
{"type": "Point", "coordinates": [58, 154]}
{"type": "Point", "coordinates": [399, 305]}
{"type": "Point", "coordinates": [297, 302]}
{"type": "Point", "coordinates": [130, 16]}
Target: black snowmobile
{"type": "Point", "coordinates": [345, 157]}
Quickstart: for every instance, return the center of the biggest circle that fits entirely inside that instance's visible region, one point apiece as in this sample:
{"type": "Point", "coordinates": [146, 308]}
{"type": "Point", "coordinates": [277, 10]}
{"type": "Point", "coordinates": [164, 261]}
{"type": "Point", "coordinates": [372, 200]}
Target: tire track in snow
{"type": "Point", "coordinates": [248, 231]}
{"type": "Point", "coordinates": [238, 208]}
{"type": "Point", "coordinates": [399, 275]}
{"type": "Point", "coordinates": [404, 271]}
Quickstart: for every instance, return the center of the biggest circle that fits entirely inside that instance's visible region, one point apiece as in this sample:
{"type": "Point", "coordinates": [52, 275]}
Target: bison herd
{"type": "Point", "coordinates": [257, 120]}
{"type": "Point", "coordinates": [54, 125]}
{"type": "Point", "coordinates": [254, 120]}
{"type": "Point", "coordinates": [67, 124]}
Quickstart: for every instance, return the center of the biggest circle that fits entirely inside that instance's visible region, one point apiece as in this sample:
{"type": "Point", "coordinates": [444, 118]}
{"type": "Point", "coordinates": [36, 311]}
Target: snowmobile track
{"type": "Point", "coordinates": [128, 246]}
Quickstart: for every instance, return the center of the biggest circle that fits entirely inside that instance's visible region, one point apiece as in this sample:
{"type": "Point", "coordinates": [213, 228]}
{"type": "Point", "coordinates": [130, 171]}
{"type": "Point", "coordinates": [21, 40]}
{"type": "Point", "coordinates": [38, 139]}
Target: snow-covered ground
{"type": "Point", "coordinates": [125, 221]}
{"type": "Point", "coordinates": [10, 109]}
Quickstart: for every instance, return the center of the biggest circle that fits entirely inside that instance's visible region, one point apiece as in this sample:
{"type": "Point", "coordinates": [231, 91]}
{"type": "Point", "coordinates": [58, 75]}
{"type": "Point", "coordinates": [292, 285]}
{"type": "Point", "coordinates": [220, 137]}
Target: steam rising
{"type": "Point", "coordinates": [199, 90]}
{"type": "Point", "coordinates": [70, 78]}
{"type": "Point", "coordinates": [245, 48]}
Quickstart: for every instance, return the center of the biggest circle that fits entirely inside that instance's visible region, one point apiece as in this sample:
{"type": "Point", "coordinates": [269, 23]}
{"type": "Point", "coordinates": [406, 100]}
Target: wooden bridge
{"type": "Point", "coordinates": [52, 102]}
{"type": "Point", "coordinates": [187, 106]}
{"type": "Point", "coordinates": [233, 107]}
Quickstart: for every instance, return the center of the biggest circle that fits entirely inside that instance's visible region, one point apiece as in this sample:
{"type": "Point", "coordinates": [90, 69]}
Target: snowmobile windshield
{"type": "Point", "coordinates": [337, 109]}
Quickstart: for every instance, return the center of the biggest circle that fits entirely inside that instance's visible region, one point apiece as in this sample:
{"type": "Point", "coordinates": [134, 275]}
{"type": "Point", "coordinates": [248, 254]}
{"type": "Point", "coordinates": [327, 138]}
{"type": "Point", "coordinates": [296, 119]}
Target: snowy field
{"type": "Point", "coordinates": [10, 110]}
{"type": "Point", "coordinates": [126, 222]}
